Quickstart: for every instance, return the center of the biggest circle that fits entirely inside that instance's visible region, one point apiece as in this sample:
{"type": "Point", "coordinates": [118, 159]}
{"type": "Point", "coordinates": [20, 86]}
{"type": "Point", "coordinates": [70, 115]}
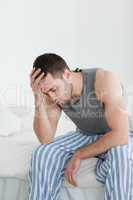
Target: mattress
{"type": "Point", "coordinates": [17, 189]}
{"type": "Point", "coordinates": [15, 154]}
{"type": "Point", "coordinates": [13, 189]}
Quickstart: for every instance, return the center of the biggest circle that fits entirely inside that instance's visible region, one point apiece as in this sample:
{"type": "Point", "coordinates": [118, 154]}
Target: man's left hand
{"type": "Point", "coordinates": [71, 168]}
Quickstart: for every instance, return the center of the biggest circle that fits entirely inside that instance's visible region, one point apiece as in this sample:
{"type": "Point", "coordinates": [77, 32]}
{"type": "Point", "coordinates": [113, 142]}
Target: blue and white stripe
{"type": "Point", "coordinates": [114, 168]}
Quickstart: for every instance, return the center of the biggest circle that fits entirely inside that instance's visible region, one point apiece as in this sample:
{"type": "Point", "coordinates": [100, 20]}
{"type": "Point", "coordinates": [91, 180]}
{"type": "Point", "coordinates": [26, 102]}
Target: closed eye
{"type": "Point", "coordinates": [53, 89]}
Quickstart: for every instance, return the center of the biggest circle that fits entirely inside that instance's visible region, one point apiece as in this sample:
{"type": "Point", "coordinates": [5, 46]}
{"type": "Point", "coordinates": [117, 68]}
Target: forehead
{"type": "Point", "coordinates": [49, 81]}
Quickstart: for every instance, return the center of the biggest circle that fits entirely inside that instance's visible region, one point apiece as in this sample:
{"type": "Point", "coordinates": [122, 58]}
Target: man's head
{"type": "Point", "coordinates": [56, 82]}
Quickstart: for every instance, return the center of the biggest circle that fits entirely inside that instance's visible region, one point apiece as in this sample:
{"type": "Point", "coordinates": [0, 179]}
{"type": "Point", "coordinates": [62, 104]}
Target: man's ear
{"type": "Point", "coordinates": [66, 74]}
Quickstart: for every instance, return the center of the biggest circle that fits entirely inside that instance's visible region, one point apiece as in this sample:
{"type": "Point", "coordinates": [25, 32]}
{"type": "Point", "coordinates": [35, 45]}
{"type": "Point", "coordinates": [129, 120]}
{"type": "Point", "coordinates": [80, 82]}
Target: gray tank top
{"type": "Point", "coordinates": [87, 112]}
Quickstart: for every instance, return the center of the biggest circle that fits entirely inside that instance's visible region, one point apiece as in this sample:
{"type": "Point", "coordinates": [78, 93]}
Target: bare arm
{"type": "Point", "coordinates": [46, 119]}
{"type": "Point", "coordinates": [116, 116]}
{"type": "Point", "coordinates": [46, 114]}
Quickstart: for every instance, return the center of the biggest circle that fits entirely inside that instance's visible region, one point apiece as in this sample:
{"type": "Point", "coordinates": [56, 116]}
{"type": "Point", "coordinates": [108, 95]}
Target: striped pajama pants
{"type": "Point", "coordinates": [114, 167]}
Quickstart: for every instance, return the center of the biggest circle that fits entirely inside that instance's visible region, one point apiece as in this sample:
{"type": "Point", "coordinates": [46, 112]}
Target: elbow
{"type": "Point", "coordinates": [123, 142]}
{"type": "Point", "coordinates": [44, 141]}
{"type": "Point", "coordinates": [123, 139]}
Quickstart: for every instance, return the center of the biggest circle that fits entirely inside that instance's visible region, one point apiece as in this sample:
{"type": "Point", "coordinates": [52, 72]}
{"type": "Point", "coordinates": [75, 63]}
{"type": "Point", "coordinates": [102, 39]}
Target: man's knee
{"type": "Point", "coordinates": [37, 150]}
{"type": "Point", "coordinates": [43, 153]}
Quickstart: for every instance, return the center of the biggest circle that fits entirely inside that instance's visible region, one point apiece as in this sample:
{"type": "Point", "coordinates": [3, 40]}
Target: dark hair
{"type": "Point", "coordinates": [50, 63]}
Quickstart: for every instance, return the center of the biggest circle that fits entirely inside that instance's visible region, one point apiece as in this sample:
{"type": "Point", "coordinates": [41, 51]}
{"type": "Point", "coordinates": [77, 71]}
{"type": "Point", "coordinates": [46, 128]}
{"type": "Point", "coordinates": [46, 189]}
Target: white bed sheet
{"type": "Point", "coordinates": [16, 189]}
{"type": "Point", "coordinates": [15, 154]}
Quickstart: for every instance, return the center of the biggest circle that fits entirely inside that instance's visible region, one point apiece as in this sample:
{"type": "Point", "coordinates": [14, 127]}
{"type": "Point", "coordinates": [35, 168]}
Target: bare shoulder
{"type": "Point", "coordinates": [104, 75]}
{"type": "Point", "coordinates": [107, 83]}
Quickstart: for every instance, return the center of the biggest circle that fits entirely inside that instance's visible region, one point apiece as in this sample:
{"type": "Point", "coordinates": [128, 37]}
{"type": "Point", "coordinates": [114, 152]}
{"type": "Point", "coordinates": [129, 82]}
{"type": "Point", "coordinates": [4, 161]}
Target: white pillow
{"type": "Point", "coordinates": [9, 123]}
{"type": "Point", "coordinates": [26, 115]}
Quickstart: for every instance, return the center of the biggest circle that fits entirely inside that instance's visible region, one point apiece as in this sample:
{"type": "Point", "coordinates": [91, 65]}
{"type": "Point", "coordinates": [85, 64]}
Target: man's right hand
{"type": "Point", "coordinates": [34, 83]}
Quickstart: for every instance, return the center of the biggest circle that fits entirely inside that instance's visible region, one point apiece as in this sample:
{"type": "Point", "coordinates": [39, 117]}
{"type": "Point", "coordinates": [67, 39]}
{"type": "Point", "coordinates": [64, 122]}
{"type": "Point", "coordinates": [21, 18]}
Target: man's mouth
{"type": "Point", "coordinates": [56, 101]}
{"type": "Point", "coordinates": [59, 103]}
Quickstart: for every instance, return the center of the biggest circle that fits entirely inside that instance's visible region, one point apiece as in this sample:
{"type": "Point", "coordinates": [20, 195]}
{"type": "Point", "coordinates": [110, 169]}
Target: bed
{"type": "Point", "coordinates": [14, 168]}
{"type": "Point", "coordinates": [15, 153]}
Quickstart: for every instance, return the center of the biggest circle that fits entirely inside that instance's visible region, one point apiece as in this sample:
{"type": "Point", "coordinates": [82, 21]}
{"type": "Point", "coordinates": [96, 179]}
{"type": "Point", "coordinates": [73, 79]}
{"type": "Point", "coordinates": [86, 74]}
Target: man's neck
{"type": "Point", "coordinates": [77, 84]}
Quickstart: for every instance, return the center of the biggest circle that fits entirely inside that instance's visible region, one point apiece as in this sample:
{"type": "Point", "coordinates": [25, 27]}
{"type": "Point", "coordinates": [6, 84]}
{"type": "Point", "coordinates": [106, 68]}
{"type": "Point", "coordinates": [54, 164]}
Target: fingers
{"type": "Point", "coordinates": [66, 175]}
{"type": "Point", "coordinates": [32, 71]}
{"type": "Point", "coordinates": [70, 177]}
{"type": "Point", "coordinates": [35, 74]}
{"type": "Point", "coordinates": [39, 77]}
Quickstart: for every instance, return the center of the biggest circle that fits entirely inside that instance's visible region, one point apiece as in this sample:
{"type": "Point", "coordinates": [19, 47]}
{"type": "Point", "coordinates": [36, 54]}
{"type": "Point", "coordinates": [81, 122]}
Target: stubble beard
{"type": "Point", "coordinates": [69, 91]}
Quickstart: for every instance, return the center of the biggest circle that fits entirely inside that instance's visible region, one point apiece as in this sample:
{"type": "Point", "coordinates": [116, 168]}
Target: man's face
{"type": "Point", "coordinates": [59, 90]}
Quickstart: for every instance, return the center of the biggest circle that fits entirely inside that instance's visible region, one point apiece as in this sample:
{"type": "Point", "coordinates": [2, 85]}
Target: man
{"type": "Point", "coordinates": [93, 100]}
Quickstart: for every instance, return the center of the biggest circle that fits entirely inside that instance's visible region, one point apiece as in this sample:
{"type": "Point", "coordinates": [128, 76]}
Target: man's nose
{"type": "Point", "coordinates": [52, 96]}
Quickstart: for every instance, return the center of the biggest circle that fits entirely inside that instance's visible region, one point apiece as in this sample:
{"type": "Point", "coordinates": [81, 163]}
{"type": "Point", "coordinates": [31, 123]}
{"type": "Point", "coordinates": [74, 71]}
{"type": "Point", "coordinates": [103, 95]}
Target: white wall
{"type": "Point", "coordinates": [29, 28]}
{"type": "Point", "coordinates": [105, 30]}
{"type": "Point", "coordinates": [86, 33]}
